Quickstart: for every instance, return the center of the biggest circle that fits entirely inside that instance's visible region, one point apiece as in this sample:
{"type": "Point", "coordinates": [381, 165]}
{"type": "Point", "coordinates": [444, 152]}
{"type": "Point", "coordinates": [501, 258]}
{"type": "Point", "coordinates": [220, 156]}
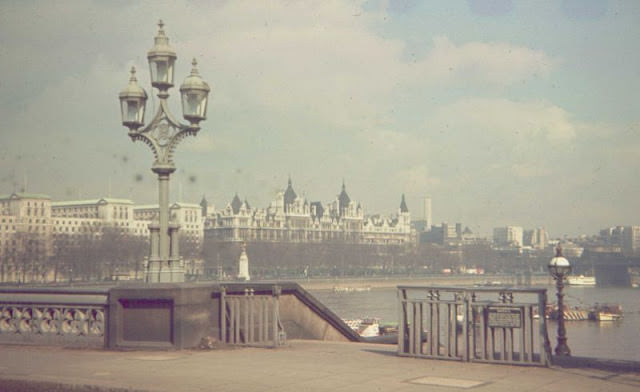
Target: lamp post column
{"type": "Point", "coordinates": [562, 349]}
{"type": "Point", "coordinates": [163, 207]}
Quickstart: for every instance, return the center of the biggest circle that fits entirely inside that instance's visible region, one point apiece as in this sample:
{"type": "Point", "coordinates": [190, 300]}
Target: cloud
{"type": "Point", "coordinates": [490, 7]}
{"type": "Point", "coordinates": [320, 64]}
{"type": "Point", "coordinates": [416, 180]}
{"type": "Point", "coordinates": [534, 169]}
{"type": "Point", "coordinates": [523, 122]}
{"type": "Point", "coordinates": [306, 63]}
{"type": "Point", "coordinates": [388, 145]}
{"type": "Point", "coordinates": [494, 63]}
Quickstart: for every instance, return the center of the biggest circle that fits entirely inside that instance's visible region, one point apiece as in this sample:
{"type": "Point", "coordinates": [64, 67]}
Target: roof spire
{"type": "Point", "coordinates": [343, 199]}
{"type": "Point", "coordinates": [403, 205]}
{"type": "Point", "coordinates": [289, 195]}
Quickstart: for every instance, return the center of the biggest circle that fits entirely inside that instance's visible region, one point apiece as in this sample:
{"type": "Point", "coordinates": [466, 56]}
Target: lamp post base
{"type": "Point", "coordinates": [562, 349]}
{"type": "Point", "coordinates": [164, 272]}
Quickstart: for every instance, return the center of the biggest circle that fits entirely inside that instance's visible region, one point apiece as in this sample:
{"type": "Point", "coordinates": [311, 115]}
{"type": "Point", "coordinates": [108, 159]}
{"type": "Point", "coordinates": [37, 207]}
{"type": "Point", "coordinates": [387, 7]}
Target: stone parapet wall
{"type": "Point", "coordinates": [157, 316]}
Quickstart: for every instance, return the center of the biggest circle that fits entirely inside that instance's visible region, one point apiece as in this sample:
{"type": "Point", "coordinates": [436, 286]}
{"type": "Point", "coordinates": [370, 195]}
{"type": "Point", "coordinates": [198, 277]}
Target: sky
{"type": "Point", "coordinates": [521, 113]}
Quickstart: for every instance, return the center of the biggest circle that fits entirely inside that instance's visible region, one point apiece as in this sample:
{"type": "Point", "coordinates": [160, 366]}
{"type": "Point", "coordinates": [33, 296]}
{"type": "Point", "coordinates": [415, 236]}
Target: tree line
{"type": "Point", "coordinates": [274, 260]}
{"type": "Point", "coordinates": [68, 257]}
{"type": "Point", "coordinates": [111, 251]}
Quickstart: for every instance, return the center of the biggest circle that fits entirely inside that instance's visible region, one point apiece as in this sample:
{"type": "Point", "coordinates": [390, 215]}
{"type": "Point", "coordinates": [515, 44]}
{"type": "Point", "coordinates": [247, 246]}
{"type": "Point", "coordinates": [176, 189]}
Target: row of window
{"type": "Point", "coordinates": [36, 212]}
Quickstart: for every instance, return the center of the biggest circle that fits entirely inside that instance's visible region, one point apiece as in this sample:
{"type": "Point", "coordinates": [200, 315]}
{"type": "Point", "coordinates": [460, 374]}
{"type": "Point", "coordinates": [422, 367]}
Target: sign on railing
{"type": "Point", "coordinates": [251, 319]}
{"type": "Point", "coordinates": [499, 317]}
{"type": "Point", "coordinates": [474, 324]}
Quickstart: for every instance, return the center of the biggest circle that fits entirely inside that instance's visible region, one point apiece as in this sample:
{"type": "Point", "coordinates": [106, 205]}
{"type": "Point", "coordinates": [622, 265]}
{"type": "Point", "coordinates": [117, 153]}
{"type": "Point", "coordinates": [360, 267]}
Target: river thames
{"type": "Point", "coordinates": [606, 339]}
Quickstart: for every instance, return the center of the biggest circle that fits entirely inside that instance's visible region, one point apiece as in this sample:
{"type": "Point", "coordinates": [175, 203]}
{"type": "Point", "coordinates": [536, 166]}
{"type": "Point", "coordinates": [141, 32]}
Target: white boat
{"type": "Point", "coordinates": [606, 312]}
{"type": "Point", "coordinates": [581, 280]}
{"type": "Point", "coordinates": [342, 289]}
{"type": "Point", "coordinates": [366, 327]}
{"type": "Point", "coordinates": [603, 316]}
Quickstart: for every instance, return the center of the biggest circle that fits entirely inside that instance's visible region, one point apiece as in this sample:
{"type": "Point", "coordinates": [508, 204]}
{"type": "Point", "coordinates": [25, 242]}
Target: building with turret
{"type": "Point", "coordinates": [293, 218]}
{"type": "Point", "coordinates": [293, 234]}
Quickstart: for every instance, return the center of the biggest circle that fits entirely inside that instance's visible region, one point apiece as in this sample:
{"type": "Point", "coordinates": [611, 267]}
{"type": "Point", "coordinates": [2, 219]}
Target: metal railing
{"type": "Point", "coordinates": [498, 325]}
{"type": "Point", "coordinates": [252, 318]}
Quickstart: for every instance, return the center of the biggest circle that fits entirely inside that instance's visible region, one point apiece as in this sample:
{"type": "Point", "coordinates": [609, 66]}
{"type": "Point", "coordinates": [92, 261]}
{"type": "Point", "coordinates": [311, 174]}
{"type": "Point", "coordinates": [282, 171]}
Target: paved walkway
{"type": "Point", "coordinates": [298, 366]}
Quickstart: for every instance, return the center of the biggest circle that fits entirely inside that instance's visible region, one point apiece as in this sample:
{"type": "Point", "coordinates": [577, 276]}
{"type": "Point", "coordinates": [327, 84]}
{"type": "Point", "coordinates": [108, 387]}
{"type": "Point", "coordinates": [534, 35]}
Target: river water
{"type": "Point", "coordinates": [610, 339]}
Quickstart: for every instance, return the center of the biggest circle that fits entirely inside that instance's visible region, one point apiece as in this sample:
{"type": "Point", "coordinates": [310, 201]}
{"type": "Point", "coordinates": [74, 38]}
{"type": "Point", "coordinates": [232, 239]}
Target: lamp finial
{"type": "Point", "coordinates": [194, 69]}
{"type": "Point", "coordinates": [133, 74]}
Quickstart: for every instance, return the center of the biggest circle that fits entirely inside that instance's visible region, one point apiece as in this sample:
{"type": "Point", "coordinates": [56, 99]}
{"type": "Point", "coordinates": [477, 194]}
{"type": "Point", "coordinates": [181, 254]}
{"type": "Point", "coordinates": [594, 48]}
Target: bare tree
{"type": "Point", "coordinates": [29, 256]}
{"type": "Point", "coordinates": [98, 255]}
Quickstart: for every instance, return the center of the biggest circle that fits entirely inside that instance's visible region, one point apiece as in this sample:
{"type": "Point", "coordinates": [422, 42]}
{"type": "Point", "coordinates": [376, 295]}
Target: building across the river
{"type": "Point", "coordinates": [296, 235]}
{"type": "Point", "coordinates": [294, 219]}
{"type": "Point", "coordinates": [34, 230]}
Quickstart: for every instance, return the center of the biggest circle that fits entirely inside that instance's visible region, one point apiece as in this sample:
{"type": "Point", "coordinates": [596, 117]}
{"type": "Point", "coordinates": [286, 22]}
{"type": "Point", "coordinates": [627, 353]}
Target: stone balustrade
{"type": "Point", "coordinates": [52, 319]}
{"type": "Point", "coordinates": [53, 316]}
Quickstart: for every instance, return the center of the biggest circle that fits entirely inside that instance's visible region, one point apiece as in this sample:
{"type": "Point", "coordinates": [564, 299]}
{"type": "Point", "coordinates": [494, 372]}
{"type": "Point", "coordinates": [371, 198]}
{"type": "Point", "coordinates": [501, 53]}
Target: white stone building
{"type": "Point", "coordinates": [293, 218]}
{"type": "Point", "coordinates": [25, 236]}
{"type": "Point", "coordinates": [509, 236]}
{"type": "Point", "coordinates": [33, 228]}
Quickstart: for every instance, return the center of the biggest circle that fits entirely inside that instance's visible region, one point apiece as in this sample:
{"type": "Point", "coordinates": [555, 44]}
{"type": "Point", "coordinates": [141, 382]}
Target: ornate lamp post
{"type": "Point", "coordinates": [559, 268]}
{"type": "Point", "coordinates": [162, 135]}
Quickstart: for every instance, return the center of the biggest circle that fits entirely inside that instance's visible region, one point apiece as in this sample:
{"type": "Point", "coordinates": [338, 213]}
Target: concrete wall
{"type": "Point", "coordinates": [161, 316]}
{"type": "Point", "coordinates": [157, 316]}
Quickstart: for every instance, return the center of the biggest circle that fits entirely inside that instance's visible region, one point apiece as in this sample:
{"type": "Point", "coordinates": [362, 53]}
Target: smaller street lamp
{"type": "Point", "coordinates": [161, 60]}
{"type": "Point", "coordinates": [559, 268]}
{"type": "Point", "coordinates": [132, 103]}
{"type": "Point", "coordinates": [195, 92]}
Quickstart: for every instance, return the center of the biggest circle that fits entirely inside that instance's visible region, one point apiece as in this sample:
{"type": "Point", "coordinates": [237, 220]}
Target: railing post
{"type": "Point", "coordinates": [246, 300]}
{"type": "Point", "coordinates": [223, 315]}
{"type": "Point", "coordinates": [545, 345]}
{"type": "Point", "coordinates": [466, 322]}
{"type": "Point", "coordinates": [276, 291]}
{"type": "Point", "coordinates": [265, 325]}
{"type": "Point", "coordinates": [251, 316]}
{"type": "Point", "coordinates": [402, 313]}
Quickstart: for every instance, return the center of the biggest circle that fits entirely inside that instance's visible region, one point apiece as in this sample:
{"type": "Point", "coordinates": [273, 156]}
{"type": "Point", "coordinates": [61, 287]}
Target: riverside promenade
{"type": "Point", "coordinates": [425, 280]}
{"type": "Point", "coordinates": [300, 365]}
